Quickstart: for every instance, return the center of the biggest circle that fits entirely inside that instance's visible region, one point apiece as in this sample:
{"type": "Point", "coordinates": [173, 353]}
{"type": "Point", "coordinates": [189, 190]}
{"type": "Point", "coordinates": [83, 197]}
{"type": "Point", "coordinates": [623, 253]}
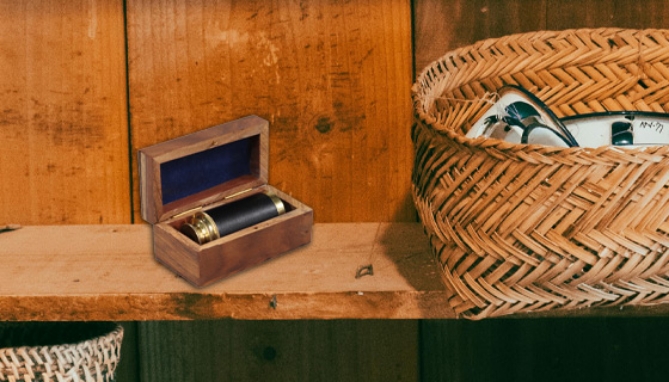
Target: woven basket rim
{"type": "Point", "coordinates": [94, 357]}
{"type": "Point", "coordinates": [116, 332]}
{"type": "Point", "coordinates": [517, 150]}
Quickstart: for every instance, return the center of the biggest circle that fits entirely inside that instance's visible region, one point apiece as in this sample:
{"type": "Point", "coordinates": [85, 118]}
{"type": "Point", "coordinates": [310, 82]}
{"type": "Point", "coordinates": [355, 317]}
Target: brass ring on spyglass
{"type": "Point", "coordinates": [280, 207]}
{"type": "Point", "coordinates": [204, 227]}
{"type": "Point", "coordinates": [201, 228]}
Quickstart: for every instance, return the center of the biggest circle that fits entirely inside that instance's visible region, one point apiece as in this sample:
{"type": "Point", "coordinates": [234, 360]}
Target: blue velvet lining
{"type": "Point", "coordinates": [194, 173]}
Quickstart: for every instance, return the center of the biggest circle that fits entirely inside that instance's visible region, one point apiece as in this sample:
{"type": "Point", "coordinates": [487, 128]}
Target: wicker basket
{"type": "Point", "coordinates": [59, 351]}
{"type": "Point", "coordinates": [527, 228]}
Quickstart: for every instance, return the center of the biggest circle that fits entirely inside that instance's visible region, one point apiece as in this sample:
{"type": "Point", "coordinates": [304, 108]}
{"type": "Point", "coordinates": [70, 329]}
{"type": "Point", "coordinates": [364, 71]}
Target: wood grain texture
{"type": "Point", "coordinates": [331, 77]}
{"type": "Point", "coordinates": [102, 272]}
{"type": "Point", "coordinates": [107, 272]}
{"type": "Point", "coordinates": [443, 25]}
{"type": "Point", "coordinates": [607, 13]}
{"type": "Point", "coordinates": [588, 349]}
{"type": "Point", "coordinates": [63, 120]}
{"type": "Point", "coordinates": [367, 350]}
{"type": "Point", "coordinates": [128, 368]}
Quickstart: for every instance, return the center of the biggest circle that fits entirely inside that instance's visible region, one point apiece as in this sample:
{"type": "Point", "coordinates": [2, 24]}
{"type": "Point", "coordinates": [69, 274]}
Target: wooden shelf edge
{"type": "Point", "coordinates": [108, 273]}
{"type": "Point", "coordinates": [198, 306]}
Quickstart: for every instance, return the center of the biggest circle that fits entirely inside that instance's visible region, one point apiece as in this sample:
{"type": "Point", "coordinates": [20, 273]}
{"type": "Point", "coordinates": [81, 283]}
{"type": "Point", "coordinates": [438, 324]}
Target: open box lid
{"type": "Point", "coordinates": [203, 168]}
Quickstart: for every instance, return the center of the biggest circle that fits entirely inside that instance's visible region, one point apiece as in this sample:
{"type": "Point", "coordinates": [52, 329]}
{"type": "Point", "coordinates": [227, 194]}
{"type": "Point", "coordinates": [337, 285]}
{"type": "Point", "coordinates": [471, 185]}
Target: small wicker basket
{"type": "Point", "coordinates": [527, 228]}
{"type": "Point", "coordinates": [59, 351]}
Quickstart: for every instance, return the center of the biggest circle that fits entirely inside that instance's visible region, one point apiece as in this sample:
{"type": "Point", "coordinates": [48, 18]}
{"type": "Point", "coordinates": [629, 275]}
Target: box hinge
{"type": "Point", "coordinates": [248, 190]}
{"type": "Point", "coordinates": [192, 211]}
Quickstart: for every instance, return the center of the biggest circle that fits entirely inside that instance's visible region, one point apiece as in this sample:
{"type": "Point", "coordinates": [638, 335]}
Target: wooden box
{"type": "Point", "coordinates": [204, 170]}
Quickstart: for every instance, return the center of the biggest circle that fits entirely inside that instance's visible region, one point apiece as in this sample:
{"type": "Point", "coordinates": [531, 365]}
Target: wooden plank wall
{"type": "Point", "coordinates": [593, 349]}
{"type": "Point", "coordinates": [87, 83]}
{"type": "Point", "coordinates": [554, 349]}
{"type": "Point", "coordinates": [63, 119]}
{"type": "Point", "coordinates": [356, 351]}
{"type": "Point", "coordinates": [332, 77]}
{"type": "Point", "coordinates": [64, 156]}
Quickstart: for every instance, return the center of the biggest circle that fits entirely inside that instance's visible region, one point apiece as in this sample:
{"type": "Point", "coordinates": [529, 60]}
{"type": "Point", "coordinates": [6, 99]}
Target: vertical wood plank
{"type": "Point", "coordinates": [63, 120]}
{"type": "Point", "coordinates": [568, 14]}
{"type": "Point", "coordinates": [443, 25]}
{"type": "Point", "coordinates": [592, 349]}
{"type": "Point", "coordinates": [127, 370]}
{"type": "Point", "coordinates": [332, 77]}
{"type": "Point", "coordinates": [581, 14]}
{"type": "Point", "coordinates": [365, 351]}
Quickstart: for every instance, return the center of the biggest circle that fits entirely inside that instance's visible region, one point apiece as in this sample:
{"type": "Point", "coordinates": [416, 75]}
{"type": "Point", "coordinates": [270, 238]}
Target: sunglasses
{"type": "Point", "coordinates": [524, 119]}
{"type": "Point", "coordinates": [620, 128]}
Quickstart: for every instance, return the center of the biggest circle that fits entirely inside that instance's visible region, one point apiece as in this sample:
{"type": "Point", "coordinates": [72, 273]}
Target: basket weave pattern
{"type": "Point", "coordinates": [526, 228]}
{"type": "Point", "coordinates": [91, 360]}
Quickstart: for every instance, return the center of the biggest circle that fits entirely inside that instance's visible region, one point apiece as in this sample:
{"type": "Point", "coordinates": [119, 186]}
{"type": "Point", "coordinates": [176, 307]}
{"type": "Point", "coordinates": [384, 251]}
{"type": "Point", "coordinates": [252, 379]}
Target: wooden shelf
{"type": "Point", "coordinates": [107, 272]}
